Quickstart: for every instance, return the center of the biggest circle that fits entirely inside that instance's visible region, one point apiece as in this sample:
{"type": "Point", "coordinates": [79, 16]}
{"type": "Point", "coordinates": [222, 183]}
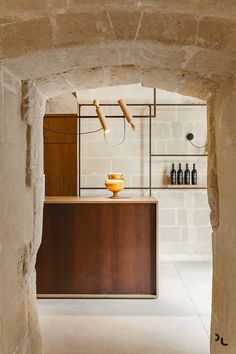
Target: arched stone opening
{"type": "Point", "coordinates": [33, 107]}
{"type": "Point", "coordinates": [196, 66]}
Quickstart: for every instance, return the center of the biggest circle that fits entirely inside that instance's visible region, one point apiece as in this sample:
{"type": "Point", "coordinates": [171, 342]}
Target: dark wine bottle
{"type": "Point", "coordinates": [180, 177]}
{"type": "Point", "coordinates": [173, 175]}
{"type": "Point", "coordinates": [194, 175]}
{"type": "Point", "coordinates": [186, 175]}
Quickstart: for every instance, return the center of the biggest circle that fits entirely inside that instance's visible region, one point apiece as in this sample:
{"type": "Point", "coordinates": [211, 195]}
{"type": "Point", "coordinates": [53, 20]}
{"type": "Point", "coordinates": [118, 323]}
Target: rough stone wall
{"type": "Point", "coordinates": [190, 43]}
{"type": "Point", "coordinates": [21, 191]}
{"type": "Point", "coordinates": [187, 46]}
{"type": "Point", "coordinates": [222, 196]}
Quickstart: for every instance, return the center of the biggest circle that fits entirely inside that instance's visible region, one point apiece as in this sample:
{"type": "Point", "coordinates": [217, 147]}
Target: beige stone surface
{"type": "Point", "coordinates": [195, 40]}
{"type": "Point", "coordinates": [224, 286]}
{"type": "Point", "coordinates": [20, 217]}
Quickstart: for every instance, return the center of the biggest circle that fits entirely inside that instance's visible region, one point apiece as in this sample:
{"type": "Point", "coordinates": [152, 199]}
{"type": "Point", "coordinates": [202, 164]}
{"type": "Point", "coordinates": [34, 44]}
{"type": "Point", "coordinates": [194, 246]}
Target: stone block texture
{"type": "Point", "coordinates": [223, 150]}
{"type": "Point", "coordinates": [20, 217]}
{"type": "Point", "coordinates": [186, 47]}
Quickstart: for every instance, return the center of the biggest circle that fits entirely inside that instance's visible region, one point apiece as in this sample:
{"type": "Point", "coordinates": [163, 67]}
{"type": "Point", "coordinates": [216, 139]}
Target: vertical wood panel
{"type": "Point", "coordinates": [60, 156]}
{"type": "Point", "coordinates": [66, 124]}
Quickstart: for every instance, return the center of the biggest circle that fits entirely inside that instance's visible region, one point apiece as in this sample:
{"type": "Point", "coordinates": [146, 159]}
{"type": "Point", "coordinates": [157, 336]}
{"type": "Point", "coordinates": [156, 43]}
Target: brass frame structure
{"type": "Point", "coordinates": [152, 114]}
{"type": "Point", "coordinates": [152, 108]}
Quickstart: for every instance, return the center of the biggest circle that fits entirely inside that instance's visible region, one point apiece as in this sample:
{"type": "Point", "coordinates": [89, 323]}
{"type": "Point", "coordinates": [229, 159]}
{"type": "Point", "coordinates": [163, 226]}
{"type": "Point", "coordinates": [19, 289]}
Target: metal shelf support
{"type": "Point", "coordinates": [152, 107]}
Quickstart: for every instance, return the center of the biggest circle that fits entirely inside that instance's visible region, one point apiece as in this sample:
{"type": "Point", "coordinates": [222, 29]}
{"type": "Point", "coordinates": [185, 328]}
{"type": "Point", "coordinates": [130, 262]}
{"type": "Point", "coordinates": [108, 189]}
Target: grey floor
{"type": "Point", "coordinates": [177, 322]}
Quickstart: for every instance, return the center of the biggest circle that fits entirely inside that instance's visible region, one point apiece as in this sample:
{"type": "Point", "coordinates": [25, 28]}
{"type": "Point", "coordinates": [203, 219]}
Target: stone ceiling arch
{"type": "Point", "coordinates": [178, 45]}
{"type": "Point", "coordinates": [169, 80]}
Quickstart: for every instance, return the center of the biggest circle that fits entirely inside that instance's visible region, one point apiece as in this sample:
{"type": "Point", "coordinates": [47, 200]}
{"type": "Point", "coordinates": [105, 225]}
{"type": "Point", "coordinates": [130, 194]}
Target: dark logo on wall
{"type": "Point", "coordinates": [221, 339]}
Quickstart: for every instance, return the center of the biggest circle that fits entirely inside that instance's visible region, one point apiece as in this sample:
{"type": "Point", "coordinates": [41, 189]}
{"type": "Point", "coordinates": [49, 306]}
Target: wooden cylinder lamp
{"type": "Point", "coordinates": [101, 117]}
{"type": "Point", "coordinates": [127, 115]}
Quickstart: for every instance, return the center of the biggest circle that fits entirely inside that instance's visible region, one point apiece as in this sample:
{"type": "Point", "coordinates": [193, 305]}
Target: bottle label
{"type": "Point", "coordinates": [173, 177]}
{"type": "Point", "coordinates": [194, 178]}
{"type": "Point", "coordinates": [180, 178]}
{"type": "Point", "coordinates": [187, 177]}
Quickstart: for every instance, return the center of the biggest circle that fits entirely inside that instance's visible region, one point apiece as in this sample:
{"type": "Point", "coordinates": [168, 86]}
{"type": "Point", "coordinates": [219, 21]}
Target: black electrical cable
{"type": "Point", "coordinates": [90, 132]}
{"type": "Point", "coordinates": [190, 137]}
{"type": "Point", "coordinates": [198, 147]}
{"type": "Point", "coordinates": [64, 133]}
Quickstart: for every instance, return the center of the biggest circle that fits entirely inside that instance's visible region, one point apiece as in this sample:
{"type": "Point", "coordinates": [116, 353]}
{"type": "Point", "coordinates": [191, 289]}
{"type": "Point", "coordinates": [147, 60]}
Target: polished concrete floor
{"type": "Point", "coordinates": [177, 322]}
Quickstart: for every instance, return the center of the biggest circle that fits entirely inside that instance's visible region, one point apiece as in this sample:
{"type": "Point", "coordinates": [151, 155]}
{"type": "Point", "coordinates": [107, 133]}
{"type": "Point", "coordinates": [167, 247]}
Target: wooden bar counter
{"type": "Point", "coordinates": [98, 247]}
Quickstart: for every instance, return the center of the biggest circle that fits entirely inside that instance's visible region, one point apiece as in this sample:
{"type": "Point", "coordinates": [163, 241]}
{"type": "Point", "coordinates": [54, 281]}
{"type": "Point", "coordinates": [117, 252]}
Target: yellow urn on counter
{"type": "Point", "coordinates": [115, 183]}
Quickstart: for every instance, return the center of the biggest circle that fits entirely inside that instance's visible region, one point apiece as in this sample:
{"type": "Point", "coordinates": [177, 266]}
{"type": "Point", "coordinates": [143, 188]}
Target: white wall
{"type": "Point", "coordinates": [185, 231]}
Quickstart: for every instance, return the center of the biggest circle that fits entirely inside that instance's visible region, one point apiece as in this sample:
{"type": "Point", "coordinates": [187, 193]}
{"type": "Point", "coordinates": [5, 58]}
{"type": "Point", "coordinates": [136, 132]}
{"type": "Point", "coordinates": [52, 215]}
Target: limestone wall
{"type": "Point", "coordinates": [224, 236]}
{"type": "Point", "coordinates": [185, 231]}
{"type": "Point", "coordinates": [192, 51]}
{"type": "Point", "coordinates": [21, 191]}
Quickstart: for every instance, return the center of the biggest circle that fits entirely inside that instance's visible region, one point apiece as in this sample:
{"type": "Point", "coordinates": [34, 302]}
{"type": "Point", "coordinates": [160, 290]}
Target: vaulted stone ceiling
{"type": "Point", "coordinates": [184, 45]}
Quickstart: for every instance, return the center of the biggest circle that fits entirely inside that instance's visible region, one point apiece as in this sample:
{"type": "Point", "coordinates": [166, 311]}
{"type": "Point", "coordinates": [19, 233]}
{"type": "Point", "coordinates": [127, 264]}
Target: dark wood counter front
{"type": "Point", "coordinates": [98, 247]}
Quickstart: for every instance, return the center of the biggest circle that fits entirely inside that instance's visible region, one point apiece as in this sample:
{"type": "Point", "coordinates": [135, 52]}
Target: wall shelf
{"type": "Point", "coordinates": [147, 188]}
{"type": "Point", "coordinates": [178, 187]}
{"type": "Point", "coordinates": [186, 186]}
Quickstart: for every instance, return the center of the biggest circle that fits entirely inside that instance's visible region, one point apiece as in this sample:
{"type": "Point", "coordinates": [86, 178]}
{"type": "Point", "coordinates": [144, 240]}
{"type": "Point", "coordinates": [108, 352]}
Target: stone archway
{"type": "Point", "coordinates": [165, 45]}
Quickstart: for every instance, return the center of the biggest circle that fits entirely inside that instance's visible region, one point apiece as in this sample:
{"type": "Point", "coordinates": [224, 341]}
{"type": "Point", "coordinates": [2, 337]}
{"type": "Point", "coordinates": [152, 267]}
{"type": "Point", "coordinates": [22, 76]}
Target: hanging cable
{"type": "Point", "coordinates": [198, 147]}
{"type": "Point", "coordinates": [73, 133]}
{"type": "Point", "coordinates": [124, 136]}
{"type": "Point", "coordinates": [190, 137]}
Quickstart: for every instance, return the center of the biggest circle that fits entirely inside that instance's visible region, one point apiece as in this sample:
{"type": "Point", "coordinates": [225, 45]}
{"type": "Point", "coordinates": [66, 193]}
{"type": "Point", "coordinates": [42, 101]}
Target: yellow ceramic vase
{"type": "Point", "coordinates": [115, 183]}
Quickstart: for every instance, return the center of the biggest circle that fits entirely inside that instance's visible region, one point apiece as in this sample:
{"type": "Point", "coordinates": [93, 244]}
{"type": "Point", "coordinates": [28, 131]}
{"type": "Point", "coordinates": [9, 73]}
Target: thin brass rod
{"type": "Point", "coordinates": [79, 138]}
{"type": "Point", "coordinates": [150, 150]}
{"type": "Point", "coordinates": [147, 104]}
{"type": "Point", "coordinates": [178, 155]}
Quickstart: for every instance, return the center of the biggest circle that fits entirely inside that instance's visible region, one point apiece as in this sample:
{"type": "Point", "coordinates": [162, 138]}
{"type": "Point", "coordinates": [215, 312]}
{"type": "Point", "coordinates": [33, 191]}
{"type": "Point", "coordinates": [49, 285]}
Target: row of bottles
{"type": "Point", "coordinates": [180, 177]}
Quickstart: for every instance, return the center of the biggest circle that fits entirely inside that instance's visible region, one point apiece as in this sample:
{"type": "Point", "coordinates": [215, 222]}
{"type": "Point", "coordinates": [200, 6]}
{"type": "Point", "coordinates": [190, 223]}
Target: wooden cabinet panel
{"type": "Point", "coordinates": [60, 124]}
{"type": "Point", "coordinates": [98, 249]}
{"type": "Point", "coordinates": [60, 167]}
{"type": "Point", "coordinates": [60, 156]}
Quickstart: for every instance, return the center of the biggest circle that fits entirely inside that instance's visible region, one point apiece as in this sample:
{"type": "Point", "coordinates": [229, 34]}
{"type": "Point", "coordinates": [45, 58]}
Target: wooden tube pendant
{"type": "Point", "coordinates": [101, 116]}
{"type": "Point", "coordinates": [127, 115]}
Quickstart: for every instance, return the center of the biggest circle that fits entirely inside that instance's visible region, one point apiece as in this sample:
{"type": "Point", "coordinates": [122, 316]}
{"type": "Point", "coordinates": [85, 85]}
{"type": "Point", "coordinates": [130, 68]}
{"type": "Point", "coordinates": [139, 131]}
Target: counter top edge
{"type": "Point", "coordinates": [97, 200]}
